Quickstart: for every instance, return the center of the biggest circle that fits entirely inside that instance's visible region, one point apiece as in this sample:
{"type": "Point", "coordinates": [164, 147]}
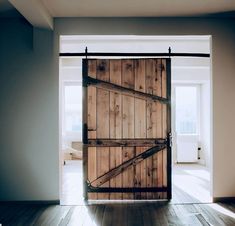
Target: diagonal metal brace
{"type": "Point", "coordinates": [119, 169]}
{"type": "Point", "coordinates": [123, 90]}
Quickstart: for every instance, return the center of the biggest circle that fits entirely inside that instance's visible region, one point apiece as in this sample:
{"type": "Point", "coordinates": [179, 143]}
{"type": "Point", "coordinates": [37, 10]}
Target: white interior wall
{"type": "Point", "coordinates": [205, 153]}
{"type": "Point", "coordinates": [222, 31]}
{"type": "Point", "coordinates": [70, 72]}
{"type": "Point", "coordinates": [199, 75]}
{"type": "Point", "coordinates": [29, 163]}
{"type": "Point", "coordinates": [184, 70]}
{"type": "Point", "coordinates": [32, 80]}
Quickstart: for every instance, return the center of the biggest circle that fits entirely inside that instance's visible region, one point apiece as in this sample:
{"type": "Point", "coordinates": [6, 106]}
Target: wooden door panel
{"type": "Point", "coordinates": [136, 120]}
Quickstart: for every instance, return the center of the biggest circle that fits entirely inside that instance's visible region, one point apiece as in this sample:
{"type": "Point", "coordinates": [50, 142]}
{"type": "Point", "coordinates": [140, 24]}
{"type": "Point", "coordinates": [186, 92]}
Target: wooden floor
{"type": "Point", "coordinates": [190, 184]}
{"type": "Point", "coordinates": [125, 214]}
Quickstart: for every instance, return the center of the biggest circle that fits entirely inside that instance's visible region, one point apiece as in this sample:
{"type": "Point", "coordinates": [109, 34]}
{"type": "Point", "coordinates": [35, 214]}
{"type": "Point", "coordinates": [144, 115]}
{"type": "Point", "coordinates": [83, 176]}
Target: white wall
{"type": "Point", "coordinates": [199, 75]}
{"type": "Point", "coordinates": [28, 113]}
{"type": "Point", "coordinates": [70, 73]}
{"type": "Point", "coordinates": [205, 153]}
{"type": "Point", "coordinates": [223, 67]}
{"type": "Point", "coordinates": [29, 163]}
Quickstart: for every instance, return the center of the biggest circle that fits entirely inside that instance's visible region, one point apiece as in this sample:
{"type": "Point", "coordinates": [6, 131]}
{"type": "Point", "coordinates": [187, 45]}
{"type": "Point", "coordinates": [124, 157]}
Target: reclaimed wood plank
{"type": "Point", "coordinates": [108, 86]}
{"type": "Point", "coordinates": [92, 169]}
{"type": "Point", "coordinates": [143, 173]}
{"type": "Point", "coordinates": [150, 87]}
{"type": "Point", "coordinates": [115, 124]}
{"type": "Point", "coordinates": [103, 69]}
{"type": "Point", "coordinates": [128, 123]}
{"type": "Point", "coordinates": [103, 109]}
{"type": "Point", "coordinates": [140, 142]}
{"type": "Point", "coordinates": [92, 173]}
{"type": "Point", "coordinates": [128, 79]}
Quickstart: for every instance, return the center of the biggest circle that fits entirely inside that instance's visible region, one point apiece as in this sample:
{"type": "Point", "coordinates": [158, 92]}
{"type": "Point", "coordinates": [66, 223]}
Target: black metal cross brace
{"type": "Point", "coordinates": [122, 167]}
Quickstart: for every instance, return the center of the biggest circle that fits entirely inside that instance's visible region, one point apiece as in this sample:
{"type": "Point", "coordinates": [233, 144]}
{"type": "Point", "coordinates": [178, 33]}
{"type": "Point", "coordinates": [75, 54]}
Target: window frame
{"type": "Point", "coordinates": [64, 131]}
{"type": "Point", "coordinates": [198, 91]}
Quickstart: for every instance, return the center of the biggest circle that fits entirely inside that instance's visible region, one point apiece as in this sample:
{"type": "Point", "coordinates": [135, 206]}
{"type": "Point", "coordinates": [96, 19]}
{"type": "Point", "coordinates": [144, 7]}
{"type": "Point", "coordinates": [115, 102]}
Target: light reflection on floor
{"type": "Point", "coordinates": [190, 184]}
{"type": "Point", "coordinates": [72, 187]}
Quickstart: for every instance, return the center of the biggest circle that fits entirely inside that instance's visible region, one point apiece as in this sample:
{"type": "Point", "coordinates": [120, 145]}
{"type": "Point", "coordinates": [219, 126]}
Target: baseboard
{"type": "Point", "coordinates": [32, 202]}
{"type": "Point", "coordinates": [224, 199]}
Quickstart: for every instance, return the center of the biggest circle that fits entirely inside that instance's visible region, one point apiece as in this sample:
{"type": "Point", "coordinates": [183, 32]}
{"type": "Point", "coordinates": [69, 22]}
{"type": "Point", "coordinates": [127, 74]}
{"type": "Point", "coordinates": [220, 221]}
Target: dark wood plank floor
{"type": "Point", "coordinates": [120, 214]}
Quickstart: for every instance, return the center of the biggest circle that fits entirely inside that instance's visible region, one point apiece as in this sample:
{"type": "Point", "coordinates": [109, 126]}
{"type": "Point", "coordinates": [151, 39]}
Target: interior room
{"type": "Point", "coordinates": [191, 146]}
{"type": "Point", "coordinates": [136, 134]}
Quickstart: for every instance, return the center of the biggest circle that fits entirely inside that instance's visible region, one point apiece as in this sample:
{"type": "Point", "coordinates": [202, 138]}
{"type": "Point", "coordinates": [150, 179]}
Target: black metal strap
{"type": "Point", "coordinates": [125, 190]}
{"type": "Point", "coordinates": [96, 54]}
{"type": "Point", "coordinates": [122, 167]}
{"type": "Point", "coordinates": [123, 90]}
{"type": "Point", "coordinates": [141, 142]}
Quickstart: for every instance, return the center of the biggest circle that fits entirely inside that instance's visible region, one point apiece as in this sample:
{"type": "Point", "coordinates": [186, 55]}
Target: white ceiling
{"type": "Point", "coordinates": [41, 12]}
{"type": "Point", "coordinates": [136, 8]}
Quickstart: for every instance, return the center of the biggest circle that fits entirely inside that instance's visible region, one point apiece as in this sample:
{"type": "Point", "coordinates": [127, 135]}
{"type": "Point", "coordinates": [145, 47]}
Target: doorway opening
{"type": "Point", "coordinates": [192, 131]}
{"type": "Point", "coordinates": [71, 131]}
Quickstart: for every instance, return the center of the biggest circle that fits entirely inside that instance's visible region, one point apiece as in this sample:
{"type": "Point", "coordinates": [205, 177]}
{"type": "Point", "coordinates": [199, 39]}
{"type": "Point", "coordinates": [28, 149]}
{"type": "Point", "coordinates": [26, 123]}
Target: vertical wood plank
{"type": "Point", "coordinates": [159, 125]}
{"type": "Point", "coordinates": [127, 117]}
{"type": "Point", "coordinates": [164, 78]}
{"type": "Point", "coordinates": [128, 74]}
{"type": "Point", "coordinates": [164, 125]}
{"type": "Point", "coordinates": [116, 72]}
{"type": "Point", "coordinates": [92, 174]}
{"type": "Point", "coordinates": [103, 96]}
{"type": "Point", "coordinates": [128, 123]}
{"type": "Point", "coordinates": [102, 132]}
{"type": "Point", "coordinates": [102, 168]}
{"type": "Point", "coordinates": [91, 114]}
{"type": "Point", "coordinates": [157, 77]}
{"type": "Point", "coordinates": [151, 119]}
{"type": "Point", "coordinates": [137, 176]}
{"type": "Point", "coordinates": [103, 69]}
{"type": "Point", "coordinates": [140, 118]}
{"type": "Point", "coordinates": [139, 75]}
{"type": "Point", "coordinates": [140, 125]}
{"type": "Point", "coordinates": [115, 125]}
{"type": "Point", "coordinates": [128, 174]}
{"type": "Point", "coordinates": [128, 132]}
{"type": "Point", "coordinates": [159, 154]}
{"type": "Point", "coordinates": [143, 173]}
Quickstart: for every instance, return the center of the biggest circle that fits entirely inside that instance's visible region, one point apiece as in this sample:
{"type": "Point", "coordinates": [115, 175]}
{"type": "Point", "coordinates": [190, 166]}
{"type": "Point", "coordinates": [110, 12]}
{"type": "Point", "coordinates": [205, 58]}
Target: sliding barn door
{"type": "Point", "coordinates": [126, 128]}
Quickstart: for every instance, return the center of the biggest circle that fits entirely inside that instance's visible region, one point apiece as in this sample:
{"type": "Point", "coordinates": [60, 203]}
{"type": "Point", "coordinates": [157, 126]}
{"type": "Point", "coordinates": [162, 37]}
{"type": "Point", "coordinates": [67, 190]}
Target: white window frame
{"type": "Point", "coordinates": [68, 83]}
{"type": "Point", "coordinates": [198, 90]}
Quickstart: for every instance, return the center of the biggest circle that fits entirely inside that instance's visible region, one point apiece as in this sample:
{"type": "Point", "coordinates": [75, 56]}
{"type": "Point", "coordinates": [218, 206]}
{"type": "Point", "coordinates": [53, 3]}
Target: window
{"type": "Point", "coordinates": [73, 109]}
{"type": "Point", "coordinates": [187, 108]}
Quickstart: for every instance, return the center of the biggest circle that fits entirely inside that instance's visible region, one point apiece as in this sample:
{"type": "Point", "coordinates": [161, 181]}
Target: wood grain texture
{"type": "Point", "coordinates": [103, 154]}
{"type": "Point", "coordinates": [128, 175]}
{"type": "Point", "coordinates": [128, 79]}
{"type": "Point", "coordinates": [118, 115]}
{"type": "Point", "coordinates": [91, 115]}
{"type": "Point", "coordinates": [128, 124]}
{"type": "Point", "coordinates": [140, 127]}
{"type": "Point", "coordinates": [151, 118]}
{"type": "Point", "coordinates": [103, 70]}
{"type": "Point", "coordinates": [118, 214]}
{"type": "Point", "coordinates": [92, 166]}
{"type": "Point", "coordinates": [115, 125]}
{"type": "Point", "coordinates": [143, 173]}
